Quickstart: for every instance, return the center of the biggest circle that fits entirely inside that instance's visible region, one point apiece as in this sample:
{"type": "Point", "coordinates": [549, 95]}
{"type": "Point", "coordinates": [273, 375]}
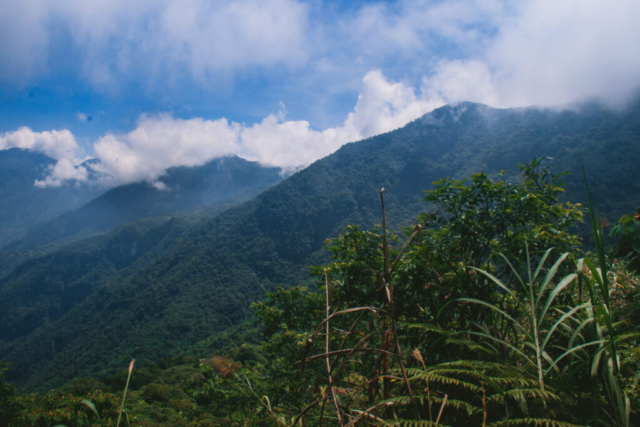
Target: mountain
{"type": "Point", "coordinates": [199, 283]}
{"type": "Point", "coordinates": [222, 182]}
{"type": "Point", "coordinates": [23, 204]}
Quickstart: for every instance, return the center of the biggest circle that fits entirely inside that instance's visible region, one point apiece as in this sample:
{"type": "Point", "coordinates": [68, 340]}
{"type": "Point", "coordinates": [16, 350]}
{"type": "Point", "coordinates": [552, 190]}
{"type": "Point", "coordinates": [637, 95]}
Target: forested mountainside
{"type": "Point", "coordinates": [84, 268]}
{"type": "Point", "coordinates": [226, 181]}
{"type": "Point", "coordinates": [203, 281]}
{"type": "Point", "coordinates": [24, 205]}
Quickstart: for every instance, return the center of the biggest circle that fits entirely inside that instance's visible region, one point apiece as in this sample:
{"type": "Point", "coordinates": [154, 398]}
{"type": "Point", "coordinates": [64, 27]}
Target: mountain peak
{"type": "Point", "coordinates": [453, 113]}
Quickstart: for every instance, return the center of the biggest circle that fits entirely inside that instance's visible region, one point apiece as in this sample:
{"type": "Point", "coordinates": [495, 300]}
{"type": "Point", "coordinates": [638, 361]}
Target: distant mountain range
{"type": "Point", "coordinates": [155, 288]}
{"type": "Point", "coordinates": [222, 182]}
{"type": "Point", "coordinates": [25, 206]}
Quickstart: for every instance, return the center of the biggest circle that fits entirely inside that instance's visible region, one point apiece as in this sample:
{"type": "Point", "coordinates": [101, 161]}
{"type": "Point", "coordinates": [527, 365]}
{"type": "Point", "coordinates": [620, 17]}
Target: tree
{"type": "Point", "coordinates": [476, 220]}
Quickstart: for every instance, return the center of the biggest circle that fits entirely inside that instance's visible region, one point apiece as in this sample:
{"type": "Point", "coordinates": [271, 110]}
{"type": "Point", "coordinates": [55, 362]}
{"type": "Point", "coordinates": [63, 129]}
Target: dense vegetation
{"type": "Point", "coordinates": [41, 294]}
{"type": "Point", "coordinates": [486, 313]}
{"type": "Point", "coordinates": [200, 283]}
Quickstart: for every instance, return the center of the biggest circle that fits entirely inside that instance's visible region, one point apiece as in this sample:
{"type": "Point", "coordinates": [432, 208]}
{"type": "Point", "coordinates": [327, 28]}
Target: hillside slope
{"type": "Point", "coordinates": [205, 279]}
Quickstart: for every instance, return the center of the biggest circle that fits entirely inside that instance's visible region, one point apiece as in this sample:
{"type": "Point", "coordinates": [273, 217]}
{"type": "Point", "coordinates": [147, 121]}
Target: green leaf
{"type": "Point", "coordinates": [91, 406]}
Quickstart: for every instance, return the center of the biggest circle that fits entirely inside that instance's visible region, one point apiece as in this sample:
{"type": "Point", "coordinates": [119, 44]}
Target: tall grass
{"type": "Point", "coordinates": [124, 396]}
{"type": "Point", "coordinates": [605, 362]}
{"type": "Point", "coordinates": [542, 315]}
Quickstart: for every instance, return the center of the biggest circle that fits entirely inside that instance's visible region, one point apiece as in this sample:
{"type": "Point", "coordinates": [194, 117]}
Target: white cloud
{"type": "Point", "coordinates": [23, 40]}
{"type": "Point", "coordinates": [212, 36]}
{"type": "Point", "coordinates": [411, 29]}
{"type": "Point", "coordinates": [152, 40]}
{"type": "Point", "coordinates": [556, 52]}
{"type": "Point", "coordinates": [382, 107]}
{"type": "Point", "coordinates": [57, 144]}
{"type": "Point", "coordinates": [548, 53]}
{"type": "Point", "coordinates": [501, 53]}
{"type": "Point", "coordinates": [527, 52]}
{"type": "Point", "coordinates": [532, 52]}
{"type": "Point", "coordinates": [162, 141]}
{"type": "Point", "coordinates": [455, 81]}
{"type": "Point", "coordinates": [63, 170]}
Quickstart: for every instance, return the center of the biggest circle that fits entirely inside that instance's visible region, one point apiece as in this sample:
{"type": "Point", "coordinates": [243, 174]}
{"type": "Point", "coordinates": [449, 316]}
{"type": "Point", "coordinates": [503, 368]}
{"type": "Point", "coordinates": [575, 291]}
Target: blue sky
{"type": "Point", "coordinates": [284, 82]}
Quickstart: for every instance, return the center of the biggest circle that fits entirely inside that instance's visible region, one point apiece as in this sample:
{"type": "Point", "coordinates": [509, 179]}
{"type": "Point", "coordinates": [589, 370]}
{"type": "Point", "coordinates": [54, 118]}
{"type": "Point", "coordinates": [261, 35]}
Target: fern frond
{"type": "Point", "coordinates": [519, 383]}
{"type": "Point", "coordinates": [410, 371]}
{"type": "Point", "coordinates": [531, 393]}
{"type": "Point", "coordinates": [425, 327]}
{"type": "Point", "coordinates": [631, 356]}
{"type": "Point", "coordinates": [446, 380]}
{"type": "Point", "coordinates": [628, 336]}
{"type": "Point", "coordinates": [462, 370]}
{"type": "Point", "coordinates": [460, 405]}
{"type": "Point", "coordinates": [537, 422]}
{"type": "Point", "coordinates": [477, 365]}
{"type": "Point", "coordinates": [412, 423]}
{"type": "Point", "coordinates": [423, 400]}
{"type": "Point", "coordinates": [470, 345]}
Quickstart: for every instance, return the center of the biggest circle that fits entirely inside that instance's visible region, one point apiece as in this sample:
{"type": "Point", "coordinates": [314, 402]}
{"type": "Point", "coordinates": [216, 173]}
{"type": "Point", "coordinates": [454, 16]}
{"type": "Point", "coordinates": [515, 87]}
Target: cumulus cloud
{"type": "Point", "coordinates": [532, 52]}
{"type": "Point", "coordinates": [57, 144]}
{"type": "Point", "coordinates": [535, 53]}
{"type": "Point", "coordinates": [154, 39]}
{"type": "Point", "coordinates": [25, 40]}
{"type": "Point", "coordinates": [161, 141]}
{"type": "Point", "coordinates": [556, 52]}
{"type": "Point", "coordinates": [455, 81]}
{"type": "Point", "coordinates": [64, 170]}
{"type": "Point", "coordinates": [507, 53]}
{"type": "Point", "coordinates": [382, 107]}
{"type": "Point", "coordinates": [408, 30]}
